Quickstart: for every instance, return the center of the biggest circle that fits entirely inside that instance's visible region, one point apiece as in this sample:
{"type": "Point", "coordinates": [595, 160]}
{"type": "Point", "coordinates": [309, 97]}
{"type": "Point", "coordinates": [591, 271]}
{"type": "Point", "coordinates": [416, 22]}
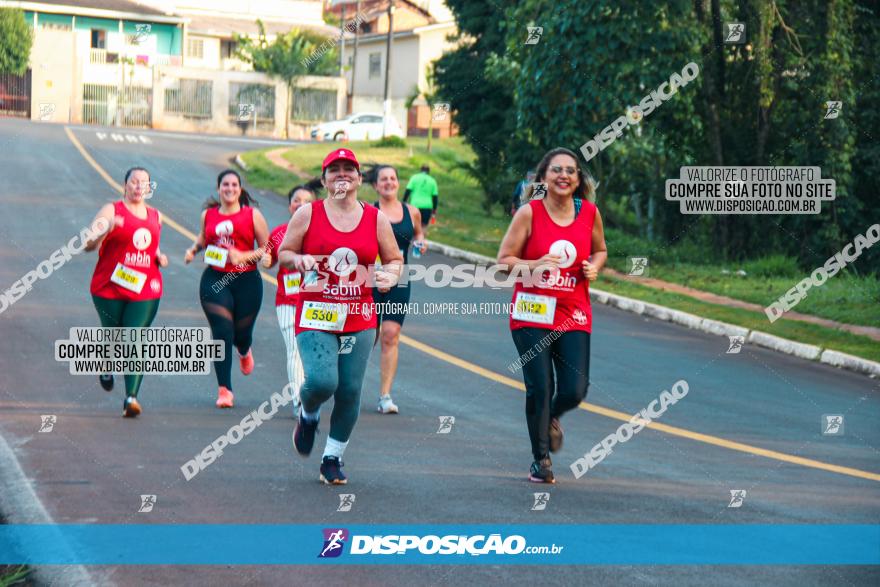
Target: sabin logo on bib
{"type": "Point", "coordinates": [566, 251]}
{"type": "Point", "coordinates": [343, 261]}
{"type": "Point", "coordinates": [141, 239]}
{"type": "Point", "coordinates": [224, 228]}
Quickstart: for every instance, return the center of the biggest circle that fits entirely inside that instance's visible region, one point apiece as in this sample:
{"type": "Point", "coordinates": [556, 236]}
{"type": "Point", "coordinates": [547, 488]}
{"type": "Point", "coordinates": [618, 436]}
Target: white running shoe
{"type": "Point", "coordinates": [386, 405]}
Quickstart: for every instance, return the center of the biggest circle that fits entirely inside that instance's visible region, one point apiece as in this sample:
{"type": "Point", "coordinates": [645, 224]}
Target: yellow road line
{"type": "Point", "coordinates": [468, 366]}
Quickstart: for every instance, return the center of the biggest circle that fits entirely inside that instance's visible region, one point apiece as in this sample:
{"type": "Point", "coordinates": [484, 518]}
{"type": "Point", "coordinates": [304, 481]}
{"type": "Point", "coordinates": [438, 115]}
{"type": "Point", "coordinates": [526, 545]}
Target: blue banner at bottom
{"type": "Point", "coordinates": [757, 544]}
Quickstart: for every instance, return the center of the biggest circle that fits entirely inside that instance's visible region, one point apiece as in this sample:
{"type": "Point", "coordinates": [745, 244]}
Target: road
{"type": "Point", "coordinates": [94, 465]}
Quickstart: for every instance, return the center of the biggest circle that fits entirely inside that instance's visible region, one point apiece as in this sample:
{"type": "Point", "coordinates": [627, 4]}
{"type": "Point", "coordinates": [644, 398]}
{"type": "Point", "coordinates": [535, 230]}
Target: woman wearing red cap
{"type": "Point", "coordinates": [338, 237]}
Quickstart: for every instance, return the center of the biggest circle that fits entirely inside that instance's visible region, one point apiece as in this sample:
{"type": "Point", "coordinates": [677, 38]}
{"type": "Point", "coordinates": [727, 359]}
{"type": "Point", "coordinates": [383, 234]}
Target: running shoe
{"type": "Point", "coordinates": [131, 408]}
{"type": "Point", "coordinates": [387, 406]}
{"type": "Point", "coordinates": [556, 435]}
{"type": "Point", "coordinates": [304, 435]}
{"type": "Point", "coordinates": [542, 471]}
{"type": "Point", "coordinates": [106, 381]}
{"type": "Point", "coordinates": [246, 362]}
{"type": "Point", "coordinates": [331, 471]}
{"type": "Point", "coordinates": [224, 398]}
{"type": "Point", "coordinates": [297, 403]}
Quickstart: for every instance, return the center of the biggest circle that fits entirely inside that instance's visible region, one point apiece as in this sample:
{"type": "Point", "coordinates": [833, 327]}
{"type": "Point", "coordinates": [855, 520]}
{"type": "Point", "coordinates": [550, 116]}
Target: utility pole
{"type": "Point", "coordinates": [354, 59]}
{"type": "Point", "coordinates": [342, 40]}
{"type": "Point", "coordinates": [386, 104]}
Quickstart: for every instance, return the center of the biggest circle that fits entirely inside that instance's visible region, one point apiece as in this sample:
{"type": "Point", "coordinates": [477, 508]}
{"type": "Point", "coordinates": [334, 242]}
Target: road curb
{"type": "Point", "coordinates": [19, 504]}
{"type": "Point", "coordinates": [756, 337]}
{"type": "Point", "coordinates": [240, 162]}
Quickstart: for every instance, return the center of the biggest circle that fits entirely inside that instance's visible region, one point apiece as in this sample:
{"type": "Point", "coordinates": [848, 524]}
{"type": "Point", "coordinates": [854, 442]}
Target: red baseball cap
{"type": "Point", "coordinates": [340, 154]}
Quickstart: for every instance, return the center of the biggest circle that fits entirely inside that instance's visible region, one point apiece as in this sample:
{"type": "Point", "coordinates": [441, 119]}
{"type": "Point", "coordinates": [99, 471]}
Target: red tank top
{"type": "Point", "coordinates": [559, 300]}
{"type": "Point", "coordinates": [345, 302]}
{"type": "Point", "coordinates": [127, 268]}
{"type": "Point", "coordinates": [223, 232]}
{"type": "Point", "coordinates": [289, 280]}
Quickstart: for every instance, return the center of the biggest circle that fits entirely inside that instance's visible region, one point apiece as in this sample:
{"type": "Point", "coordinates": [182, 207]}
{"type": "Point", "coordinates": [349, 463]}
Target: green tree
{"type": "Point", "coordinates": [429, 95]}
{"type": "Point", "coordinates": [16, 39]}
{"type": "Point", "coordinates": [289, 57]}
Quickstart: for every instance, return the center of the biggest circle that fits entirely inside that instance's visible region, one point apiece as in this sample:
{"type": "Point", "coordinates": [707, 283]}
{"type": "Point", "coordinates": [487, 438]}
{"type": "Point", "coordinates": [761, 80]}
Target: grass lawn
{"type": "Point", "coordinates": [462, 222]}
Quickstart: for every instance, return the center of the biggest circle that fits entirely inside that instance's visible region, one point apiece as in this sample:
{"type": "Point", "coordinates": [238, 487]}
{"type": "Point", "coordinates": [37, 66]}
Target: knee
{"type": "Point", "coordinates": [390, 334]}
{"type": "Point", "coordinates": [320, 385]}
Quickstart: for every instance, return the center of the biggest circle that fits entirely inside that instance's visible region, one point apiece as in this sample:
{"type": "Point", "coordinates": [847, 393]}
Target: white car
{"type": "Point", "coordinates": [363, 126]}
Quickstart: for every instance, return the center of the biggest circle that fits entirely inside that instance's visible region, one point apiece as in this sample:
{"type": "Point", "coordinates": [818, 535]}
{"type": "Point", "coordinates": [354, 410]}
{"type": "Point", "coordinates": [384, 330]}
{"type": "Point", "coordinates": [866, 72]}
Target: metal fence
{"type": "Point", "coordinates": [251, 104]}
{"type": "Point", "coordinates": [310, 105]}
{"type": "Point", "coordinates": [107, 105]}
{"type": "Point", "coordinates": [191, 98]}
{"type": "Point", "coordinates": [15, 94]}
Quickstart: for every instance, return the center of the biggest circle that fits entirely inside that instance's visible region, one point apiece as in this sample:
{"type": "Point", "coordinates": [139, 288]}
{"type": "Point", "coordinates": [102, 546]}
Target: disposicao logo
{"type": "Point", "coordinates": [334, 541]}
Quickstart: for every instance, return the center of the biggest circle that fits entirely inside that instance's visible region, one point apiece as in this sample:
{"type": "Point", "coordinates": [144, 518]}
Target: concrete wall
{"type": "Point", "coordinates": [53, 74]}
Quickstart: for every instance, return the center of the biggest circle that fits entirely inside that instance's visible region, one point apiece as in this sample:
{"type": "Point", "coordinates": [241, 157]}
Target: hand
{"type": "Point", "coordinates": [547, 262]}
{"type": "Point", "coordinates": [385, 280]}
{"type": "Point", "coordinates": [267, 260]}
{"type": "Point", "coordinates": [189, 256]}
{"type": "Point", "coordinates": [162, 260]}
{"type": "Point", "coordinates": [305, 262]}
{"type": "Point", "coordinates": [423, 246]}
{"type": "Point", "coordinates": [590, 271]}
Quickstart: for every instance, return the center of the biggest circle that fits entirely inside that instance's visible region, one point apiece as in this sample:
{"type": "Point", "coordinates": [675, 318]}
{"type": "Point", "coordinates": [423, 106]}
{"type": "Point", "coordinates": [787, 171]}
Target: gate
{"type": "Point", "coordinates": [15, 94]}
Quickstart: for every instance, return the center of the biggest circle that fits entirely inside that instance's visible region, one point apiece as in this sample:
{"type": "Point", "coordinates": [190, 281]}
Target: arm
{"type": "Point", "coordinates": [104, 218]}
{"type": "Point", "coordinates": [419, 235]}
{"type": "Point", "coordinates": [436, 195]}
{"type": "Point", "coordinates": [200, 241]}
{"type": "Point", "coordinates": [289, 252]}
{"type": "Point", "coordinates": [600, 251]}
{"type": "Point", "coordinates": [261, 234]}
{"type": "Point", "coordinates": [272, 249]}
{"type": "Point", "coordinates": [161, 259]}
{"type": "Point", "coordinates": [515, 241]}
{"type": "Point", "coordinates": [392, 260]}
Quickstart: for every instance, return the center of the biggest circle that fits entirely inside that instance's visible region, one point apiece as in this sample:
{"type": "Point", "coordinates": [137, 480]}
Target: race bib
{"type": "Point", "coordinates": [534, 308]}
{"type": "Point", "coordinates": [216, 256]}
{"type": "Point", "coordinates": [323, 316]}
{"type": "Point", "coordinates": [291, 283]}
{"type": "Point", "coordinates": [128, 278]}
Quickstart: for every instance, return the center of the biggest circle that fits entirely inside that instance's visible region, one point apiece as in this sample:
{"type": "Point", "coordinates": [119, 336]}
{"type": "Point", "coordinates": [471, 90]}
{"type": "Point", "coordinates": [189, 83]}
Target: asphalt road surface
{"type": "Point", "coordinates": [94, 466]}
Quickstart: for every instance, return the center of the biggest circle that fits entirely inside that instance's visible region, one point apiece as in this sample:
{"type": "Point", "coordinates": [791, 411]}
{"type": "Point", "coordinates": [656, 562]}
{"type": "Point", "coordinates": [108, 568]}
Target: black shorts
{"type": "Point", "coordinates": [426, 216]}
{"type": "Point", "coordinates": [392, 304]}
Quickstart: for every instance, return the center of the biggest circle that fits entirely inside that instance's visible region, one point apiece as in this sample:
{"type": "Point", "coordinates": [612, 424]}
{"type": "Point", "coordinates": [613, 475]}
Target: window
{"type": "Point", "coordinates": [191, 98]}
{"type": "Point", "coordinates": [195, 48]}
{"type": "Point", "coordinates": [375, 65]}
{"type": "Point", "coordinates": [99, 39]}
{"type": "Point", "coordinates": [227, 49]}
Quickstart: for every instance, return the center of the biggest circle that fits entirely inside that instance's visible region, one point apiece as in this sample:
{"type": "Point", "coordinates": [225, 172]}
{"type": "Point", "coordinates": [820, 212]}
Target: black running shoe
{"type": "Point", "coordinates": [331, 472]}
{"type": "Point", "coordinates": [556, 435]}
{"type": "Point", "coordinates": [304, 435]}
{"type": "Point", "coordinates": [542, 471]}
{"type": "Point", "coordinates": [106, 382]}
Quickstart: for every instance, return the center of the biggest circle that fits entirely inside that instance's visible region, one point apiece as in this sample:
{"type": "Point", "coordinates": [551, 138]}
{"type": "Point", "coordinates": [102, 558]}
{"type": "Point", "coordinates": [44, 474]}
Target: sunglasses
{"type": "Point", "coordinates": [557, 169]}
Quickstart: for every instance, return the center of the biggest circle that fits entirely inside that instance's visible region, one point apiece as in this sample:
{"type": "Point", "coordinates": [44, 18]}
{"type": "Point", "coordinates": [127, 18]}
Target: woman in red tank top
{"type": "Point", "coordinates": [339, 239]}
{"type": "Point", "coordinates": [557, 245]}
{"type": "Point", "coordinates": [126, 284]}
{"type": "Point", "coordinates": [231, 290]}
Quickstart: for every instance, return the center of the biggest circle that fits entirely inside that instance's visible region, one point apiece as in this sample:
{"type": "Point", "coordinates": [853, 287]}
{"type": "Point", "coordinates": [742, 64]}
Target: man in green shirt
{"type": "Point", "coordinates": [423, 190]}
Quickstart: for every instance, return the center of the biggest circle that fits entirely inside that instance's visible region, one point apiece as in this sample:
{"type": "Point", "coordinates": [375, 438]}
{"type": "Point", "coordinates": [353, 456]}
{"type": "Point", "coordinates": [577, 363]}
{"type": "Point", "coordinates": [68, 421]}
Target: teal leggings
{"type": "Point", "coordinates": [121, 313]}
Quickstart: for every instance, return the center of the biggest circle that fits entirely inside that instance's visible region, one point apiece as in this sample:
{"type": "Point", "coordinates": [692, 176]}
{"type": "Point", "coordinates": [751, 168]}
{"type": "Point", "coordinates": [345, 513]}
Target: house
{"type": "Point", "coordinates": [166, 64]}
{"type": "Point", "coordinates": [412, 51]}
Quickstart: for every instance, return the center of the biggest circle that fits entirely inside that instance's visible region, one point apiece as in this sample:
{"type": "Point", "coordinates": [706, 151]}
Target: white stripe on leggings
{"type": "Point", "coordinates": [286, 317]}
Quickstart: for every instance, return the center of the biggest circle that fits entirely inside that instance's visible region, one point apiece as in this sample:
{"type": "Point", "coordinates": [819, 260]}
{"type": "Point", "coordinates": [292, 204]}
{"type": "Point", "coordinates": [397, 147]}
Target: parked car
{"type": "Point", "coordinates": [361, 126]}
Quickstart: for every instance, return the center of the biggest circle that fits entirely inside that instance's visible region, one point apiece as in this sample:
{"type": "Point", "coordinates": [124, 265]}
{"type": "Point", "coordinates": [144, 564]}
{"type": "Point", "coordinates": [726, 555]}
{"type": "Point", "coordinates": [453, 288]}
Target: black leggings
{"type": "Point", "coordinates": [570, 355]}
{"type": "Point", "coordinates": [125, 314]}
{"type": "Point", "coordinates": [231, 302]}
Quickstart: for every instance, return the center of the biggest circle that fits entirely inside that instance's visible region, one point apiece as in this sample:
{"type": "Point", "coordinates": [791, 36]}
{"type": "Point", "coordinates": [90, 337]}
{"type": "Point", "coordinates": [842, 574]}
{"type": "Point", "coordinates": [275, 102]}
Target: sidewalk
{"type": "Point", "coordinates": [869, 331]}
